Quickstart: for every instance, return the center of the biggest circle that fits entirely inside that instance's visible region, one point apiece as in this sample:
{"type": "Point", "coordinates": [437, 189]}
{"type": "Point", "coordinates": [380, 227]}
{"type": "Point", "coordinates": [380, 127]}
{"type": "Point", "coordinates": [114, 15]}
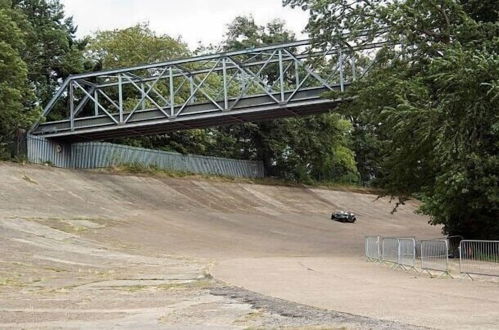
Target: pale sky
{"type": "Point", "coordinates": [194, 20]}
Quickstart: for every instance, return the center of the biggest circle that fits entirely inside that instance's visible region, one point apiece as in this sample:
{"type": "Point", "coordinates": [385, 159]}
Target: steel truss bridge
{"type": "Point", "coordinates": [210, 90]}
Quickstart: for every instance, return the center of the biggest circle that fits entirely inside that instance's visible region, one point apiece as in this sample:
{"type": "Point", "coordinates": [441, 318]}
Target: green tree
{"type": "Point", "coordinates": [430, 102]}
{"type": "Point", "coordinates": [133, 46]}
{"type": "Point", "coordinates": [315, 149]}
{"type": "Point", "coordinates": [15, 92]}
{"type": "Point", "coordinates": [53, 52]}
{"type": "Point", "coordinates": [302, 149]}
{"type": "Point", "coordinates": [140, 45]}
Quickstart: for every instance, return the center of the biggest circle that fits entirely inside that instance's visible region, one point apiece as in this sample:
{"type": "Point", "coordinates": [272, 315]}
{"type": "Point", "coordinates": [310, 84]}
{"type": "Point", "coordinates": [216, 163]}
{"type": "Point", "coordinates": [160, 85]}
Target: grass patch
{"type": "Point", "coordinates": [250, 317]}
{"type": "Point", "coordinates": [28, 179]}
{"type": "Point", "coordinates": [55, 269]}
{"type": "Point", "coordinates": [71, 225]}
{"type": "Point", "coordinates": [196, 285]}
{"type": "Point", "coordinates": [62, 225]}
{"type": "Point", "coordinates": [10, 282]}
{"type": "Point", "coordinates": [200, 284]}
{"type": "Point", "coordinates": [142, 170]}
{"type": "Point", "coordinates": [153, 171]}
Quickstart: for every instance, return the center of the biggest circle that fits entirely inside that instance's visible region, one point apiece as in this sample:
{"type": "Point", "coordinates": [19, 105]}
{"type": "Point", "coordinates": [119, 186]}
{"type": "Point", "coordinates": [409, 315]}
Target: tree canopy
{"type": "Point", "coordinates": [53, 51]}
{"type": "Point", "coordinates": [430, 104]}
{"type": "Point", "coordinates": [15, 90]}
{"type": "Point", "coordinates": [39, 51]}
{"type": "Point", "coordinates": [300, 149]}
{"type": "Point", "coordinates": [138, 45]}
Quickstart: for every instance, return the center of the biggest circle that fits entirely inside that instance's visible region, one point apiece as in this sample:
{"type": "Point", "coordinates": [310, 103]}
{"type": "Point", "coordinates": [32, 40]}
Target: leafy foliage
{"type": "Point", "coordinates": [53, 52]}
{"type": "Point", "coordinates": [295, 149]}
{"type": "Point", "coordinates": [465, 194]}
{"type": "Point", "coordinates": [38, 50]}
{"type": "Point", "coordinates": [15, 92]}
{"type": "Point", "coordinates": [430, 104]}
{"type": "Point", "coordinates": [132, 46]}
{"type": "Point", "coordinates": [301, 149]}
{"type": "Point", "coordinates": [139, 45]}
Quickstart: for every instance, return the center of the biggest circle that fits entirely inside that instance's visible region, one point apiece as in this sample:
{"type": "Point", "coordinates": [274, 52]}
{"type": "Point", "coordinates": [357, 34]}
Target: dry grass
{"type": "Point", "coordinates": [151, 171]}
{"type": "Point", "coordinates": [28, 179]}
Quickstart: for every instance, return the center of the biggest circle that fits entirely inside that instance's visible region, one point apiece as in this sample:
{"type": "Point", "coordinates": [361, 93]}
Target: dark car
{"type": "Point", "coordinates": [343, 216]}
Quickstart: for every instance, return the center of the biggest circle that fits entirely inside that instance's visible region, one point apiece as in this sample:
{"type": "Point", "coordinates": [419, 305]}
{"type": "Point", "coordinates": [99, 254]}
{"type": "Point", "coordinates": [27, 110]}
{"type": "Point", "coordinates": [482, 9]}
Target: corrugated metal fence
{"type": "Point", "coordinates": [99, 155]}
{"type": "Point", "coordinates": [42, 151]}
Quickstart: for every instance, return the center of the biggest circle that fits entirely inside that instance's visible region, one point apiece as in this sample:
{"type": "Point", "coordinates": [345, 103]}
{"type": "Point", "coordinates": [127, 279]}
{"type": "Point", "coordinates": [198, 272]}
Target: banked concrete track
{"type": "Point", "coordinates": [76, 241]}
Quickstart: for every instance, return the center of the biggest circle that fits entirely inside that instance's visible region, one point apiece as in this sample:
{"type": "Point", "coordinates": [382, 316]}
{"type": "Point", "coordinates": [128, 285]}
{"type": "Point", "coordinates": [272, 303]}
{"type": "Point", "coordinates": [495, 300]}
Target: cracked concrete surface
{"type": "Point", "coordinates": [91, 250]}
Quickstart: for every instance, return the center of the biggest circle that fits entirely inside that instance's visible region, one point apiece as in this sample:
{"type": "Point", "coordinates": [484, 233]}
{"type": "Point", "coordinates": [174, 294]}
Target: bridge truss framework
{"type": "Point", "coordinates": [250, 85]}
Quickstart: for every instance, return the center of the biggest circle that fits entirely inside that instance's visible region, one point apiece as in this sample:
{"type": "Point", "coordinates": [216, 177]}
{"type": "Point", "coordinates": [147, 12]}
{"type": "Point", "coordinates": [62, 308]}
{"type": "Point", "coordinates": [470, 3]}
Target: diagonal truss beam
{"type": "Point", "coordinates": [275, 76]}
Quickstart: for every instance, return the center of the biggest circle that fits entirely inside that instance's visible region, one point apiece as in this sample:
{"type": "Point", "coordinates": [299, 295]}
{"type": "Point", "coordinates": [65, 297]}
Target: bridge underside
{"type": "Point", "coordinates": [152, 121]}
{"type": "Point", "coordinates": [200, 121]}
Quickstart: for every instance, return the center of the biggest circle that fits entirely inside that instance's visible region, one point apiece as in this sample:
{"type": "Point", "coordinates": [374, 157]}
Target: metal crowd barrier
{"type": "Point", "coordinates": [479, 257]}
{"type": "Point", "coordinates": [418, 249]}
{"type": "Point", "coordinates": [390, 249]}
{"type": "Point", "coordinates": [407, 252]}
{"type": "Point", "coordinates": [373, 248]}
{"type": "Point", "coordinates": [435, 256]}
{"type": "Point", "coordinates": [476, 257]}
{"type": "Point", "coordinates": [397, 251]}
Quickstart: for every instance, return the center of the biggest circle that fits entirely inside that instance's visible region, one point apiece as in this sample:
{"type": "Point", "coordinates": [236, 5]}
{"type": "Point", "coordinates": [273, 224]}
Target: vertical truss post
{"type": "Point", "coordinates": [191, 89]}
{"type": "Point", "coordinates": [281, 76]}
{"type": "Point", "coordinates": [244, 82]}
{"type": "Point", "coordinates": [241, 76]}
{"type": "Point", "coordinates": [71, 106]}
{"type": "Point", "coordinates": [226, 99]}
{"type": "Point", "coordinates": [172, 94]}
{"type": "Point", "coordinates": [120, 97]}
{"type": "Point", "coordinates": [297, 74]}
{"type": "Point", "coordinates": [96, 102]}
{"type": "Point", "coordinates": [142, 96]}
{"type": "Point", "coordinates": [342, 82]}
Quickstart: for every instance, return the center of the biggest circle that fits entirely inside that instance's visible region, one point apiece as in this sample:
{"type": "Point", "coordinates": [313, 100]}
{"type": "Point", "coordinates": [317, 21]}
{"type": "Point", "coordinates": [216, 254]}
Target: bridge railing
{"type": "Point", "coordinates": [277, 75]}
